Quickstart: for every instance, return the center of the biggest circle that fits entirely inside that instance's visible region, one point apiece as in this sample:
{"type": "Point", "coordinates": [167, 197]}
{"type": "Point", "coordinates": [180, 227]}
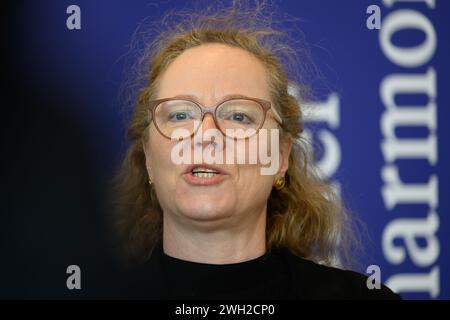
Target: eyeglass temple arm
{"type": "Point", "coordinates": [276, 114]}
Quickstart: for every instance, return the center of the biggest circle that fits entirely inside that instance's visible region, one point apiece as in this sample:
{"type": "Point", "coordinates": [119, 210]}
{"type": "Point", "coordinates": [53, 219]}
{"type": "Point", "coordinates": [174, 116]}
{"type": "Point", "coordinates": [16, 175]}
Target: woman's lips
{"type": "Point", "coordinates": [191, 179]}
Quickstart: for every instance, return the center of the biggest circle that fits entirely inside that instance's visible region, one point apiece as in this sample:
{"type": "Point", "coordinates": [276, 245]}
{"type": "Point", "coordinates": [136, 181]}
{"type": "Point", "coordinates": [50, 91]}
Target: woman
{"type": "Point", "coordinates": [199, 229]}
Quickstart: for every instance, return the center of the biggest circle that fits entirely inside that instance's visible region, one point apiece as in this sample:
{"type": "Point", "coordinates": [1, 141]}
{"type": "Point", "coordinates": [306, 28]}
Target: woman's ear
{"type": "Point", "coordinates": [285, 152]}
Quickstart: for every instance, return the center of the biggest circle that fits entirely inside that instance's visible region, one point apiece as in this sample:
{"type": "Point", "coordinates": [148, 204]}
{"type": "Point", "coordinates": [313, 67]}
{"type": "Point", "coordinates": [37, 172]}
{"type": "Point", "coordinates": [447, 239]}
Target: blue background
{"type": "Point", "coordinates": [84, 68]}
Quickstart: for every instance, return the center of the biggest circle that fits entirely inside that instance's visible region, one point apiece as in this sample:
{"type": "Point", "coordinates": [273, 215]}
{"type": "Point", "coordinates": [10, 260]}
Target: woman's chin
{"type": "Point", "coordinates": [205, 203]}
{"type": "Point", "coordinates": [204, 210]}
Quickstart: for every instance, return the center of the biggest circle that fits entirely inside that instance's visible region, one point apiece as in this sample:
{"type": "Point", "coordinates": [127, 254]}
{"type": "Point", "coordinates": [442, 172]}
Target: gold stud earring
{"type": "Point", "coordinates": [280, 183]}
{"type": "Point", "coordinates": [150, 182]}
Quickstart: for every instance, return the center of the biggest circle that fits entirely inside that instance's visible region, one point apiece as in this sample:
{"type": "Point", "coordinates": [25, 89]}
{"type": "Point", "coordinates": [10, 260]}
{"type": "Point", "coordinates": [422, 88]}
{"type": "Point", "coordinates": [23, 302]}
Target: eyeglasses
{"type": "Point", "coordinates": [237, 117]}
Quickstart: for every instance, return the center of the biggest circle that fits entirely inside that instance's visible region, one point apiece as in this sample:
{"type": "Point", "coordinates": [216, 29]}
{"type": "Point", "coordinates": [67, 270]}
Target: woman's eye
{"type": "Point", "coordinates": [178, 116]}
{"type": "Point", "coordinates": [240, 117]}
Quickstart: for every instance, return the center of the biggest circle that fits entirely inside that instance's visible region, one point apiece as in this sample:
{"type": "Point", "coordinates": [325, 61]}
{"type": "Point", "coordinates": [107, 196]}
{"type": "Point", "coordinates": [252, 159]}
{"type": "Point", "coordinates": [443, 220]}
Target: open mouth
{"type": "Point", "coordinates": [204, 175]}
{"type": "Point", "coordinates": [200, 172]}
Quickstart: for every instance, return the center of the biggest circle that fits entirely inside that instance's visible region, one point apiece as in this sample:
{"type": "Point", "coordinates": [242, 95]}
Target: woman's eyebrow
{"type": "Point", "coordinates": [193, 97]}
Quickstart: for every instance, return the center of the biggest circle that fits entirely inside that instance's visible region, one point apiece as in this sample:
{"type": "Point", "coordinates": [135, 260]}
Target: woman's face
{"type": "Point", "coordinates": [210, 72]}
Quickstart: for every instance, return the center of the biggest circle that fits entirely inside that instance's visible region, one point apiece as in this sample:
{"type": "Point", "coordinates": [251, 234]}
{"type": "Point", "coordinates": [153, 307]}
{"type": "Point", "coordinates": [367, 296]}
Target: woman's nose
{"type": "Point", "coordinates": [208, 122]}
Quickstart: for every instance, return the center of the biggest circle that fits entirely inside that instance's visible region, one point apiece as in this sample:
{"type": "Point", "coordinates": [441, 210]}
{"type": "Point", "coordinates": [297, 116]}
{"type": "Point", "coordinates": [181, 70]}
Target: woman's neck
{"type": "Point", "coordinates": [199, 242]}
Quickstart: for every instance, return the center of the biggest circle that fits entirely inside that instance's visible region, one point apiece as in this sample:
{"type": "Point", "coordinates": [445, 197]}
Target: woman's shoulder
{"type": "Point", "coordinates": [315, 281]}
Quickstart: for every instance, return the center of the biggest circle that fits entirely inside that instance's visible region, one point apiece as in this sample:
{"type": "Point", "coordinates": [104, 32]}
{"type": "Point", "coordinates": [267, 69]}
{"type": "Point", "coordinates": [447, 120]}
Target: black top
{"type": "Point", "coordinates": [276, 275]}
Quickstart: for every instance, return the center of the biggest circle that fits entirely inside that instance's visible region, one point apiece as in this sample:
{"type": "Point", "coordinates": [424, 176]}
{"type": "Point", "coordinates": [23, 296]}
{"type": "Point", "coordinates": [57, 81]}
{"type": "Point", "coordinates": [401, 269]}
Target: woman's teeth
{"type": "Point", "coordinates": [204, 173]}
